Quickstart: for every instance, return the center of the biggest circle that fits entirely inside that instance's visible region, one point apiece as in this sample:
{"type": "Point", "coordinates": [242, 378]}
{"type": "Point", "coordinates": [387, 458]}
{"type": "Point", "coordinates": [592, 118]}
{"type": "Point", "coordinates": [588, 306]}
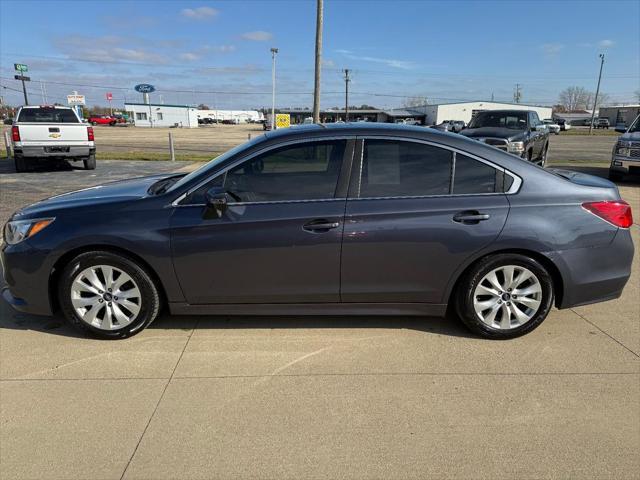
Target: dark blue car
{"type": "Point", "coordinates": [345, 219]}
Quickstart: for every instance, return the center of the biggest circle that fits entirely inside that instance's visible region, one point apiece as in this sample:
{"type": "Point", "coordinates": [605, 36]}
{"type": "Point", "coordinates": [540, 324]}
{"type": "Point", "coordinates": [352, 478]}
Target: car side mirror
{"type": "Point", "coordinates": [216, 199]}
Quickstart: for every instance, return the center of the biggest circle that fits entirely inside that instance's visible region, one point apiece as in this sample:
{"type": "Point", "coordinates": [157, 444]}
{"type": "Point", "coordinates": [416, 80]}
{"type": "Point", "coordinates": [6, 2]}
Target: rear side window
{"type": "Point", "coordinates": [47, 115]}
{"type": "Point", "coordinates": [473, 177]}
{"type": "Point", "coordinates": [404, 169]}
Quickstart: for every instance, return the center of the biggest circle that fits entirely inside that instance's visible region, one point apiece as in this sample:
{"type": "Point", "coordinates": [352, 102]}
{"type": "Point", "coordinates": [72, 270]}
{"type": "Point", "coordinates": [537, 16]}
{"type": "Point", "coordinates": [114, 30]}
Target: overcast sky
{"type": "Point", "coordinates": [217, 52]}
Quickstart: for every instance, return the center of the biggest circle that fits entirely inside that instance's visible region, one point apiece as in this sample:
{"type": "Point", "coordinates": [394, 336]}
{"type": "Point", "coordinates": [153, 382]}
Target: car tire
{"type": "Point", "coordinates": [530, 156]}
{"type": "Point", "coordinates": [129, 316]}
{"type": "Point", "coordinates": [615, 176]}
{"type": "Point", "coordinates": [94, 123]}
{"type": "Point", "coordinates": [90, 162]}
{"type": "Point", "coordinates": [20, 163]}
{"type": "Point", "coordinates": [510, 318]}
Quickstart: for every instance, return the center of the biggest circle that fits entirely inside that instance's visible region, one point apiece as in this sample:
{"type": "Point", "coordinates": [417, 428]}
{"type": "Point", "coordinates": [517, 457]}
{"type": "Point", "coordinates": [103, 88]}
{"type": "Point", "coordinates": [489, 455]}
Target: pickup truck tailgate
{"type": "Point", "coordinates": [38, 134]}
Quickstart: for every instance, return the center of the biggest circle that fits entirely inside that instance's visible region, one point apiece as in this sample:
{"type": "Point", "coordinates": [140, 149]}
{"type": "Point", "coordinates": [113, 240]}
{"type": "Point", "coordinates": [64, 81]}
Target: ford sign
{"type": "Point", "coordinates": [144, 88]}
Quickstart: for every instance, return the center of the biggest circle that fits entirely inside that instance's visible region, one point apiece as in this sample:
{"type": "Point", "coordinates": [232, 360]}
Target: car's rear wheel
{"type": "Point", "coordinates": [90, 162]}
{"type": "Point", "coordinates": [108, 295]}
{"type": "Point", "coordinates": [505, 296]}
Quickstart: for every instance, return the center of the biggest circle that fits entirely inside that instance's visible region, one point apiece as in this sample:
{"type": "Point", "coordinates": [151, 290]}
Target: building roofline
{"type": "Point", "coordinates": [158, 105]}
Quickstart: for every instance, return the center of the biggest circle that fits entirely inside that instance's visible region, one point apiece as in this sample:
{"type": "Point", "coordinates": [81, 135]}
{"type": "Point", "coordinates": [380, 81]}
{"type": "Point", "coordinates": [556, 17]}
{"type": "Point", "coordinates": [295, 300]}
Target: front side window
{"type": "Point", "coordinates": [404, 169]}
{"type": "Point", "coordinates": [307, 171]}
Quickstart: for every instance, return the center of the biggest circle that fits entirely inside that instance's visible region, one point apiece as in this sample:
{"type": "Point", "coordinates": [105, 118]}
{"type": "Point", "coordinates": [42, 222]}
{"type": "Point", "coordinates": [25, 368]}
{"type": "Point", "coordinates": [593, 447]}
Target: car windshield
{"type": "Point", "coordinates": [635, 126]}
{"type": "Point", "coordinates": [512, 120]}
{"type": "Point", "coordinates": [209, 166]}
{"type": "Point", "coordinates": [47, 115]}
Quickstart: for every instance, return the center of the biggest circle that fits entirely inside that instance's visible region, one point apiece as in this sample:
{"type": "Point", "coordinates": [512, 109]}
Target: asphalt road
{"type": "Point", "coordinates": [266, 397]}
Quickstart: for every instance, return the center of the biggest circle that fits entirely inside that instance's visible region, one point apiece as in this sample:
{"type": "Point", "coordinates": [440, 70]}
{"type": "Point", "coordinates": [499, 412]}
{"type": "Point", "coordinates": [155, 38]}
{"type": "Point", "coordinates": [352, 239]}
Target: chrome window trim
{"type": "Point", "coordinates": [176, 202]}
{"type": "Point", "coordinates": [514, 188]}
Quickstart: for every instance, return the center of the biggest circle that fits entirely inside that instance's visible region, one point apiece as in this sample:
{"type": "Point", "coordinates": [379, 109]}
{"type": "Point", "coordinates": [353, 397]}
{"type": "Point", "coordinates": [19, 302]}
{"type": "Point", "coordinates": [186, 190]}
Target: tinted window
{"type": "Point", "coordinates": [47, 115]}
{"type": "Point", "coordinates": [512, 120]}
{"type": "Point", "coordinates": [472, 176]}
{"type": "Point", "coordinates": [300, 172]}
{"type": "Point", "coordinates": [403, 169]}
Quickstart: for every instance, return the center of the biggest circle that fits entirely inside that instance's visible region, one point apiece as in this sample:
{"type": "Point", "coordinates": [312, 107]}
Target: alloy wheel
{"type": "Point", "coordinates": [105, 297]}
{"type": "Point", "coordinates": [507, 297]}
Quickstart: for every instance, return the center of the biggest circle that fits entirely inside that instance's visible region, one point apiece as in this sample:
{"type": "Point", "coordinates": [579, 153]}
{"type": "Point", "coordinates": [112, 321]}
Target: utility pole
{"type": "Point", "coordinates": [346, 94]}
{"type": "Point", "coordinates": [517, 94]}
{"type": "Point", "coordinates": [274, 52]}
{"type": "Point", "coordinates": [316, 86]}
{"type": "Point", "coordinates": [595, 101]}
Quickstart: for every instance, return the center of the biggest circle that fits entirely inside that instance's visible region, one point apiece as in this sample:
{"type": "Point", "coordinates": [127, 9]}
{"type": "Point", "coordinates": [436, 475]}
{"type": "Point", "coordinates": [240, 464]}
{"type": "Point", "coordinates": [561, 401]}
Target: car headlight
{"type": "Point", "coordinates": [622, 148]}
{"type": "Point", "coordinates": [18, 230]}
{"type": "Point", "coordinates": [515, 147]}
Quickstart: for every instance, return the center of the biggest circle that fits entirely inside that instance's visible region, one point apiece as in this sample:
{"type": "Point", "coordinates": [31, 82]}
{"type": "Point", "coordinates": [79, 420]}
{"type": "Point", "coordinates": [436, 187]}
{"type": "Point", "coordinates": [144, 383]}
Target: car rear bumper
{"type": "Point", "coordinates": [54, 151]}
{"type": "Point", "coordinates": [595, 274]}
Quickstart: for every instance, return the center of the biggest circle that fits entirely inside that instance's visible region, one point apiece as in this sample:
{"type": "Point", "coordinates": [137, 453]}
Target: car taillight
{"type": "Point", "coordinates": [15, 133]}
{"type": "Point", "coordinates": [616, 212]}
{"type": "Point", "coordinates": [90, 134]}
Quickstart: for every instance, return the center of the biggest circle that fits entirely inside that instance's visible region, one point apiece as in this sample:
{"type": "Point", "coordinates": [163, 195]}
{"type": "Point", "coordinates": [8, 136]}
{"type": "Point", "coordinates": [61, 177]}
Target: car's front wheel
{"type": "Point", "coordinates": [108, 295]}
{"type": "Point", "coordinates": [543, 156]}
{"type": "Point", "coordinates": [505, 296]}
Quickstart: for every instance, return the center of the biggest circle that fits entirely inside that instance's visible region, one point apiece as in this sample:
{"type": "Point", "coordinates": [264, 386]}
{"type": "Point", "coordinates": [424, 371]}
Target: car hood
{"type": "Point", "coordinates": [107, 193]}
{"type": "Point", "coordinates": [495, 132]}
{"type": "Point", "coordinates": [630, 136]}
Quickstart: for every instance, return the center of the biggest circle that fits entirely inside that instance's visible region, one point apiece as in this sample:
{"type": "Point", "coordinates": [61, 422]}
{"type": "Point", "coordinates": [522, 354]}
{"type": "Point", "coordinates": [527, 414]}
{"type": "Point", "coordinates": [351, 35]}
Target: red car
{"type": "Point", "coordinates": [102, 120]}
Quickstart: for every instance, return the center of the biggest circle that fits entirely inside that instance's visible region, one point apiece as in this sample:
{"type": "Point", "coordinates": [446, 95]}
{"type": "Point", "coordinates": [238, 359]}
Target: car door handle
{"type": "Point", "coordinates": [470, 217]}
{"type": "Point", "coordinates": [320, 226]}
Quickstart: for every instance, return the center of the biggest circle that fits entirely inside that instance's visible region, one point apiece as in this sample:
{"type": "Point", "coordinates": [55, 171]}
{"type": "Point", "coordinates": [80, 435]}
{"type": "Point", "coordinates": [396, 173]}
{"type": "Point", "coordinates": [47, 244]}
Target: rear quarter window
{"type": "Point", "coordinates": [474, 177]}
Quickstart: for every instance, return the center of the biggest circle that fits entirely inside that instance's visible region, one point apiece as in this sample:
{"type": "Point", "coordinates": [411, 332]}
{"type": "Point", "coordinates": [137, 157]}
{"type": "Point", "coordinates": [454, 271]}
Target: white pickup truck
{"type": "Point", "coordinates": [51, 132]}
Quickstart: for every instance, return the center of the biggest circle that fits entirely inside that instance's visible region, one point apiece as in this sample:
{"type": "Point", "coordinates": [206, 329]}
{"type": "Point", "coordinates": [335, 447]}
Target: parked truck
{"type": "Point", "coordinates": [51, 133]}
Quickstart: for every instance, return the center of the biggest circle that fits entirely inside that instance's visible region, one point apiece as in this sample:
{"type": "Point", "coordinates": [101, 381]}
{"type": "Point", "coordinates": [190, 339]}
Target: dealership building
{"type": "Point", "coordinates": [620, 115]}
{"type": "Point", "coordinates": [425, 114]}
{"type": "Point", "coordinates": [161, 115]}
{"type": "Point", "coordinates": [465, 111]}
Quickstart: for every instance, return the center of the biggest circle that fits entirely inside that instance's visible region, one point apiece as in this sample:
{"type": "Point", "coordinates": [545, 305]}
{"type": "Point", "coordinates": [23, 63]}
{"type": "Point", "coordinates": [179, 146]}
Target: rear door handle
{"type": "Point", "coordinates": [320, 226]}
{"type": "Point", "coordinates": [470, 217]}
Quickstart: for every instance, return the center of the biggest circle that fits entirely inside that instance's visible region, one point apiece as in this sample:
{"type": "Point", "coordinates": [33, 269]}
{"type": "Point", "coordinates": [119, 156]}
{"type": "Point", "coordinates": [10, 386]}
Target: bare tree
{"type": "Point", "coordinates": [575, 98]}
{"type": "Point", "coordinates": [579, 98]}
{"type": "Point", "coordinates": [202, 106]}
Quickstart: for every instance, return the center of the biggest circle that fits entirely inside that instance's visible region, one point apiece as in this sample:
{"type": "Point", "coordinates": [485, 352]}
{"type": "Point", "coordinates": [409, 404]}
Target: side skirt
{"type": "Point", "coordinates": [422, 309]}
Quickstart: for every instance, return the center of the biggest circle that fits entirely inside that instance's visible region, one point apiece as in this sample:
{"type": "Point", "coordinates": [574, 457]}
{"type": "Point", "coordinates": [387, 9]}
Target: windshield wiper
{"type": "Point", "coordinates": [163, 184]}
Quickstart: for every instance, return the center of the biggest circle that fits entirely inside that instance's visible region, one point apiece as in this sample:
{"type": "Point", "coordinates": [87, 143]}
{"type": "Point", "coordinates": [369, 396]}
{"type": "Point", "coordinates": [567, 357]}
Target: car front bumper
{"type": "Point", "coordinates": [624, 164]}
{"type": "Point", "coordinates": [26, 272]}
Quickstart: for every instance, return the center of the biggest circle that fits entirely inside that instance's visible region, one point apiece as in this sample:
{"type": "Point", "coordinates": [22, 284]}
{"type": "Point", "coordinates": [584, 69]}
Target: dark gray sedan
{"type": "Point", "coordinates": [343, 219]}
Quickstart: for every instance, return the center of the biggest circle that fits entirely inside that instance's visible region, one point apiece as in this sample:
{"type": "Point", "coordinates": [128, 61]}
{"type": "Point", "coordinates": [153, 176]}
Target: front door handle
{"type": "Point", "coordinates": [320, 226]}
{"type": "Point", "coordinates": [470, 217]}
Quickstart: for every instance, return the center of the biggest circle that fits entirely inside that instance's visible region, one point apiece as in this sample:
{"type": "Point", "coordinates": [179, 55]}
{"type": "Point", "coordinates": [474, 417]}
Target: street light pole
{"type": "Point", "coordinates": [274, 52]}
{"type": "Point", "coordinates": [316, 87]}
{"type": "Point", "coordinates": [595, 100]}
{"type": "Point", "coordinates": [346, 94]}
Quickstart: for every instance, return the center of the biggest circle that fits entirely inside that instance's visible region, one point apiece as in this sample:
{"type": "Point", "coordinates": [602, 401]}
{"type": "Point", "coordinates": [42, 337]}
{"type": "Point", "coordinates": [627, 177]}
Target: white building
{"type": "Point", "coordinates": [238, 116]}
{"type": "Point", "coordinates": [435, 114]}
{"type": "Point", "coordinates": [161, 115]}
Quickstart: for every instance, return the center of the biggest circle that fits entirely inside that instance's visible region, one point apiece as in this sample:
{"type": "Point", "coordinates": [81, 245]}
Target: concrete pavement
{"type": "Point", "coordinates": [392, 397]}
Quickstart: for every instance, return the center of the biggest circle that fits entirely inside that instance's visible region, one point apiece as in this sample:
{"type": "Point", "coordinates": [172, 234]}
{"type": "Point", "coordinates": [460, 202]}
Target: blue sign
{"type": "Point", "coordinates": [144, 88]}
